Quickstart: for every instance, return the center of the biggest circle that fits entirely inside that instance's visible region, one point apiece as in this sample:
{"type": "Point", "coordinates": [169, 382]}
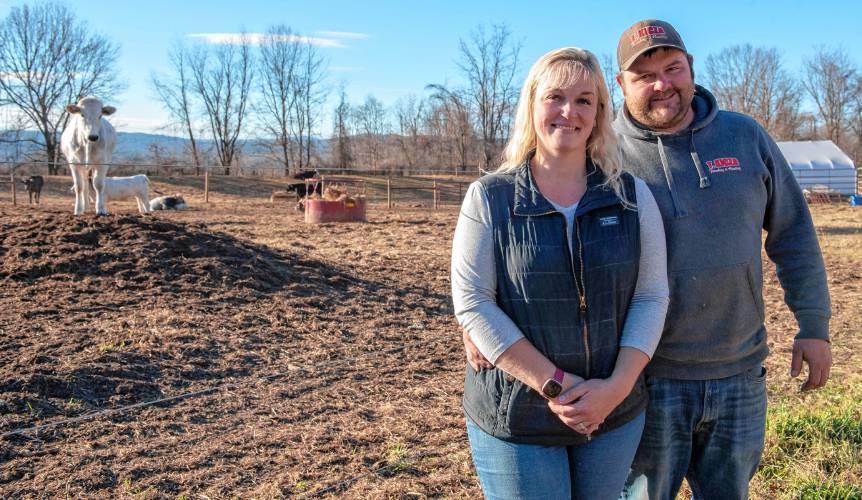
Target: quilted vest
{"type": "Point", "coordinates": [538, 283]}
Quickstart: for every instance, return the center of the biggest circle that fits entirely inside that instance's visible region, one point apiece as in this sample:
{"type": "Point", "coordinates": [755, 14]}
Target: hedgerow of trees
{"type": "Point", "coordinates": [274, 87]}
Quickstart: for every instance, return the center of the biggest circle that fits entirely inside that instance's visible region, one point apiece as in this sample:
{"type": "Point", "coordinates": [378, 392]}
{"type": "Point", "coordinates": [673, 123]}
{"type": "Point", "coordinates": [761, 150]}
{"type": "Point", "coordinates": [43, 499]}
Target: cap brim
{"type": "Point", "coordinates": [628, 63]}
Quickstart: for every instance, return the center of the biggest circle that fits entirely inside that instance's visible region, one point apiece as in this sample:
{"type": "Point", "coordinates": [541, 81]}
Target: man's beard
{"type": "Point", "coordinates": [642, 112]}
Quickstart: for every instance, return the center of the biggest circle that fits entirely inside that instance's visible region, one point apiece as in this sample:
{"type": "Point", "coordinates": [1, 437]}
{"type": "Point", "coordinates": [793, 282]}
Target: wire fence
{"type": "Point", "coordinates": [432, 189]}
{"type": "Point", "coordinates": [35, 167]}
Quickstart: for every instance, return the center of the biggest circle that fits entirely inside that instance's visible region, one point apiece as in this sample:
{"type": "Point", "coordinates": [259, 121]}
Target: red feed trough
{"type": "Point", "coordinates": [317, 211]}
{"type": "Point", "coordinates": [351, 209]}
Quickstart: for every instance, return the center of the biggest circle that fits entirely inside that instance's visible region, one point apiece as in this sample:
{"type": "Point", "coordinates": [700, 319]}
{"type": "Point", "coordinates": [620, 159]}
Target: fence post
{"type": "Point", "coordinates": [435, 195]}
{"type": "Point", "coordinates": [207, 185]}
{"type": "Point", "coordinates": [14, 197]}
{"type": "Point", "coordinates": [388, 193]}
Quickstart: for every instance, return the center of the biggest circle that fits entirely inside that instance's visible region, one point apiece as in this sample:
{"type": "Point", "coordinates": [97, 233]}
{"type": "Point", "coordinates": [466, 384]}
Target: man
{"type": "Point", "coordinates": [719, 181]}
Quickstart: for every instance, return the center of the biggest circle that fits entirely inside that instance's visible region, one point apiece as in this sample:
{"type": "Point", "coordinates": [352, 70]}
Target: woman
{"type": "Point", "coordinates": [559, 278]}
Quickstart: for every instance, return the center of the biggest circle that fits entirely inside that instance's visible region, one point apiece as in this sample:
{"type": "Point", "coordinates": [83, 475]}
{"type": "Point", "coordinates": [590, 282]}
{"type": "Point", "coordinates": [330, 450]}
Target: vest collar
{"type": "Point", "coordinates": [529, 201]}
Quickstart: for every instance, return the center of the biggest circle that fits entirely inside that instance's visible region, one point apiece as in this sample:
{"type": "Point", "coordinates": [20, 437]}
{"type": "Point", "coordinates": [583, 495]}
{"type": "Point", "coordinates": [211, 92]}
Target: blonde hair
{"type": "Point", "coordinates": [562, 68]}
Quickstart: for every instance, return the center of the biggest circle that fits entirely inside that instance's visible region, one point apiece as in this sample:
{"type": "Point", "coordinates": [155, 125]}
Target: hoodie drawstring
{"type": "Point", "coordinates": [704, 179]}
{"type": "Point", "coordinates": [678, 211]}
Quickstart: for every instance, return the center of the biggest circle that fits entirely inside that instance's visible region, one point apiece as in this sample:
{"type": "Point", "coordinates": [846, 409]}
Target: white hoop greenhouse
{"type": "Point", "coordinates": [820, 164]}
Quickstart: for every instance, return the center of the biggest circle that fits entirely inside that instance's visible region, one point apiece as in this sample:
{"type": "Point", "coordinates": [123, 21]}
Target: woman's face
{"type": "Point", "coordinates": [564, 118]}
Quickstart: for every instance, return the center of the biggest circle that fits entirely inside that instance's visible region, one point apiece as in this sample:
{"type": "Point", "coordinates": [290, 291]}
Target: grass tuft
{"type": "Point", "coordinates": [813, 445]}
{"type": "Point", "coordinates": [830, 491]}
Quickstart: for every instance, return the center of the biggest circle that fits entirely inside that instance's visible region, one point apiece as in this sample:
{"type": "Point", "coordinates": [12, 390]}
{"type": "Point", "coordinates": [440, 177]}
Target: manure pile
{"type": "Point", "coordinates": [338, 348]}
{"type": "Point", "coordinates": [119, 309]}
{"type": "Point", "coordinates": [129, 252]}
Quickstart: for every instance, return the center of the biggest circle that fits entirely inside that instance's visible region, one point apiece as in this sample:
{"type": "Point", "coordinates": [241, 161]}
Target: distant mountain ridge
{"type": "Point", "coordinates": [135, 145]}
{"type": "Point", "coordinates": [129, 144]}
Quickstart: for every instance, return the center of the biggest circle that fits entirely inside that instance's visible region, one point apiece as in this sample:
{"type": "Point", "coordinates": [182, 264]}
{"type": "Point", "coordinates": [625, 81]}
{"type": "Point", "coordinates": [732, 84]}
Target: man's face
{"type": "Point", "coordinates": [658, 90]}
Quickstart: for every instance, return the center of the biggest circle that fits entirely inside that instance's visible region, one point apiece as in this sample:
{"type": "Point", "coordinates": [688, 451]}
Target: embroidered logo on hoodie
{"type": "Point", "coordinates": [720, 165]}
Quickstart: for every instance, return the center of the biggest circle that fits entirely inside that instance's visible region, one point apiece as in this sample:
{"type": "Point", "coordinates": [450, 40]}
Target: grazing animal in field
{"type": "Point", "coordinates": [302, 190]}
{"type": "Point", "coordinates": [88, 144]}
{"type": "Point", "coordinates": [175, 202]}
{"type": "Point", "coordinates": [306, 174]}
{"type": "Point", "coordinates": [34, 185]}
{"type": "Point", "coordinates": [123, 188]}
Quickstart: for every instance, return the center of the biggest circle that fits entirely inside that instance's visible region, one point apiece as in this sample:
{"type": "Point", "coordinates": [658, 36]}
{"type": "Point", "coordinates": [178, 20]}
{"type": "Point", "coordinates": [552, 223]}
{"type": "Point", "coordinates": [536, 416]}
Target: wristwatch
{"type": "Point", "coordinates": [553, 386]}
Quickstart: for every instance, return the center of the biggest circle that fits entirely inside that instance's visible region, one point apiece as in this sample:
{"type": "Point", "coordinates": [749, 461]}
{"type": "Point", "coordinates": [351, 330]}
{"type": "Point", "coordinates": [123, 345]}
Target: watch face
{"type": "Point", "coordinates": [552, 388]}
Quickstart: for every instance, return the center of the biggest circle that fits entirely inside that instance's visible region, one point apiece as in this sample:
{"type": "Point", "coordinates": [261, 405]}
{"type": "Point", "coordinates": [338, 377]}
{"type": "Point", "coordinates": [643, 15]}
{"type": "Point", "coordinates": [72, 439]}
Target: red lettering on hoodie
{"type": "Point", "coordinates": [719, 165]}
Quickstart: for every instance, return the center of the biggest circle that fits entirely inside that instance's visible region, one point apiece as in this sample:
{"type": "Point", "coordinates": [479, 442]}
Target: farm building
{"type": "Point", "coordinates": [820, 163]}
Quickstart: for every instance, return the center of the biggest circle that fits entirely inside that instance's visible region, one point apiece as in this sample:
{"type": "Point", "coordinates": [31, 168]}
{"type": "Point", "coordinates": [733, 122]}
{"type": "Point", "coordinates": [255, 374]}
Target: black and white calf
{"type": "Point", "coordinates": [302, 190]}
{"type": "Point", "coordinates": [306, 174]}
{"type": "Point", "coordinates": [175, 202]}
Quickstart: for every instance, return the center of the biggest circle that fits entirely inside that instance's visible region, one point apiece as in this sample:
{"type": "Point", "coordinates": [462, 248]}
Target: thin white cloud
{"type": "Point", "coordinates": [36, 75]}
{"type": "Point", "coordinates": [257, 38]}
{"type": "Point", "coordinates": [12, 75]}
{"type": "Point", "coordinates": [344, 34]}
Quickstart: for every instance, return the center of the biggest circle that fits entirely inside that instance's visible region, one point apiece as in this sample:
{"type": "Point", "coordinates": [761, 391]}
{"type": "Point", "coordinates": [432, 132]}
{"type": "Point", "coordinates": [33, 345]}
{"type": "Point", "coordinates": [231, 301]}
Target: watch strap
{"type": "Point", "coordinates": [558, 375]}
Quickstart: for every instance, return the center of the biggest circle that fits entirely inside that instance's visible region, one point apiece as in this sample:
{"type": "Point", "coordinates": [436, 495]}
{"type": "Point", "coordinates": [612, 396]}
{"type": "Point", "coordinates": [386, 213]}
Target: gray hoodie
{"type": "Point", "coordinates": [718, 185]}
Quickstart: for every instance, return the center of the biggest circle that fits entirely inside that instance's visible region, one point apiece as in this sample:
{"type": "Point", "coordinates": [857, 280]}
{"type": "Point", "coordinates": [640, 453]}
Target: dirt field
{"type": "Point", "coordinates": [334, 349]}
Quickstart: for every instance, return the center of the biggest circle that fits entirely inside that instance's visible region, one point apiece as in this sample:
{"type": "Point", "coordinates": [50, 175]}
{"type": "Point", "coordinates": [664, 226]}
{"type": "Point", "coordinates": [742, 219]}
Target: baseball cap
{"type": "Point", "coordinates": [643, 36]}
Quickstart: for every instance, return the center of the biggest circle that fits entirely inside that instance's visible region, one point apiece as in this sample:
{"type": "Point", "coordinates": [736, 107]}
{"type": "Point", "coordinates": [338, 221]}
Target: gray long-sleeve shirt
{"type": "Point", "coordinates": [474, 280]}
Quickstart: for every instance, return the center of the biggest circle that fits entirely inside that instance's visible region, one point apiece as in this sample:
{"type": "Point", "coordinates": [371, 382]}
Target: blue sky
{"type": "Point", "coordinates": [391, 49]}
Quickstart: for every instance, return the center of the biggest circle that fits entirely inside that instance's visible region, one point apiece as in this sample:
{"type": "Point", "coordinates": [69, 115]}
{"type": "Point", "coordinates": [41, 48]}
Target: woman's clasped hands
{"type": "Point", "coordinates": [585, 405]}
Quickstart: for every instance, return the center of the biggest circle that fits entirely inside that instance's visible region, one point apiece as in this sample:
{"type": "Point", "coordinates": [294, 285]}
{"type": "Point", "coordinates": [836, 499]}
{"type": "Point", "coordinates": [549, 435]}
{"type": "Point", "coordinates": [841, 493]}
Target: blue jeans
{"type": "Point", "coordinates": [709, 431]}
{"type": "Point", "coordinates": [595, 470]}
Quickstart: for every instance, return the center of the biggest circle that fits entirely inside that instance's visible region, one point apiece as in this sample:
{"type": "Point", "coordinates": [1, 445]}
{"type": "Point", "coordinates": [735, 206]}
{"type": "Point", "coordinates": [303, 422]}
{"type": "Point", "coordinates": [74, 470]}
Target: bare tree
{"type": "Point", "coordinates": [609, 70]}
{"type": "Point", "coordinates": [451, 114]}
{"type": "Point", "coordinates": [343, 155]}
{"type": "Point", "coordinates": [373, 126]}
{"type": "Point", "coordinates": [175, 94]}
{"type": "Point", "coordinates": [222, 79]}
{"type": "Point", "coordinates": [311, 94]}
{"type": "Point", "coordinates": [49, 58]}
{"type": "Point", "coordinates": [409, 112]}
{"type": "Point", "coordinates": [751, 80]}
{"type": "Point", "coordinates": [278, 83]}
{"type": "Point", "coordinates": [856, 123]}
{"type": "Point", "coordinates": [291, 83]}
{"type": "Point", "coordinates": [489, 61]}
{"type": "Point", "coordinates": [830, 80]}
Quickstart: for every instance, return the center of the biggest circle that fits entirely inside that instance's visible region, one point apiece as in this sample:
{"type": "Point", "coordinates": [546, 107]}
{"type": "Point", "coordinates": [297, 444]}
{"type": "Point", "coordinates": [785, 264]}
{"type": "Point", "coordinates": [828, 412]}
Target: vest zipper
{"type": "Point", "coordinates": [582, 296]}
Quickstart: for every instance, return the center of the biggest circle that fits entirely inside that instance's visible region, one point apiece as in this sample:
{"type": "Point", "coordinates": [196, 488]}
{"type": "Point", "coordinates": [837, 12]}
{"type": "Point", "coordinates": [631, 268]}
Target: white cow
{"type": "Point", "coordinates": [124, 188]}
{"type": "Point", "coordinates": [88, 144]}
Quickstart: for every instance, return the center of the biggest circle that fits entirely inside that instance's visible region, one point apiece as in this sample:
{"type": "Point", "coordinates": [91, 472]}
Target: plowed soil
{"type": "Point", "coordinates": [290, 360]}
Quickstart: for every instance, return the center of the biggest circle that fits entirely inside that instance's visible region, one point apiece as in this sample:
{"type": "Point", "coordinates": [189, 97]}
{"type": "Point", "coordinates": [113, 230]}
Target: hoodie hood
{"type": "Point", "coordinates": [705, 110]}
